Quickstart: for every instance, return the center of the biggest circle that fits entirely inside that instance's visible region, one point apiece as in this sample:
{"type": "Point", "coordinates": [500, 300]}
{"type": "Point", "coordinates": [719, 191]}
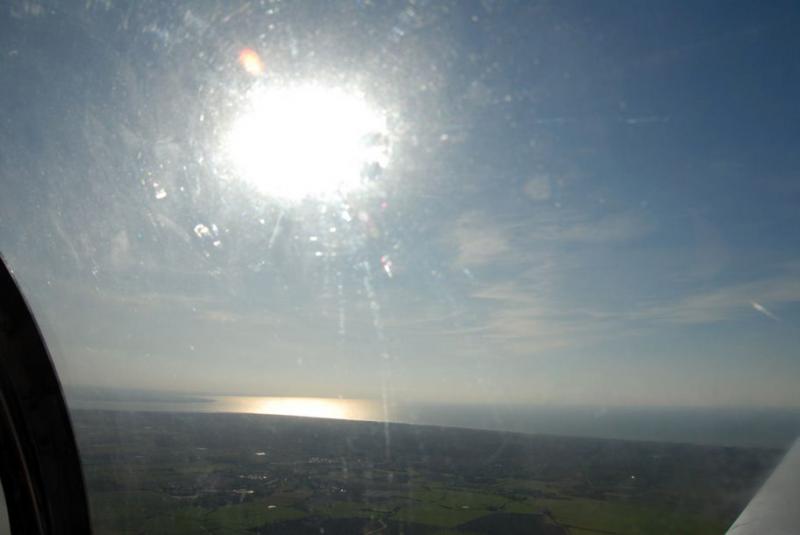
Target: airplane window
{"type": "Point", "coordinates": [410, 266]}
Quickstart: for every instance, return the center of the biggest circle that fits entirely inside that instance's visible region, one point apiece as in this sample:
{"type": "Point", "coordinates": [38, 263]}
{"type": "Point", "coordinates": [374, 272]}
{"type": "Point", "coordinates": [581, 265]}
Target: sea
{"type": "Point", "coordinates": [720, 426]}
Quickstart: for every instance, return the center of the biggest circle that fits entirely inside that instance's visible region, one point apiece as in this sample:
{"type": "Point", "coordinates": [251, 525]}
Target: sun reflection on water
{"type": "Point", "coordinates": [333, 408]}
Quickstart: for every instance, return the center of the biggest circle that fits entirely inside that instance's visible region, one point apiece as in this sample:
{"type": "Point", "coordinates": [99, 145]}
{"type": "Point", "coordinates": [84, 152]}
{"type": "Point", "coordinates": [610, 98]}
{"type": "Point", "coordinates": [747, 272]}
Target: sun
{"type": "Point", "coordinates": [306, 141]}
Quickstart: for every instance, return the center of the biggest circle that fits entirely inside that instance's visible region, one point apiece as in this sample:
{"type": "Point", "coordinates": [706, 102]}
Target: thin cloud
{"type": "Point", "coordinates": [615, 227]}
{"type": "Point", "coordinates": [646, 119]}
{"type": "Point", "coordinates": [538, 188]}
{"type": "Point", "coordinates": [762, 309]}
{"type": "Point", "coordinates": [483, 240]}
{"type": "Point", "coordinates": [730, 302]}
{"type": "Point", "coordinates": [479, 240]}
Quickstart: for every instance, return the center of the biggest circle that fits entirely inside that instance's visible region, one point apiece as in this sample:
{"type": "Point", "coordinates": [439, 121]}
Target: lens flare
{"type": "Point", "coordinates": [251, 62]}
{"type": "Point", "coordinates": [306, 141]}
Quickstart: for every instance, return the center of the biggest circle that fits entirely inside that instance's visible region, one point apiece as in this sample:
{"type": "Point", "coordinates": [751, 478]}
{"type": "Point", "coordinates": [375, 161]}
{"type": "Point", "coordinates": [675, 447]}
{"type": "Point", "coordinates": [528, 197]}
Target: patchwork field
{"type": "Point", "coordinates": [172, 474]}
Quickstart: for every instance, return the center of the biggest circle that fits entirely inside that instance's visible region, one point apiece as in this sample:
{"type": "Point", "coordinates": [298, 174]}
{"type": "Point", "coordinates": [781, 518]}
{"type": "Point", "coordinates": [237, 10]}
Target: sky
{"type": "Point", "coordinates": [559, 203]}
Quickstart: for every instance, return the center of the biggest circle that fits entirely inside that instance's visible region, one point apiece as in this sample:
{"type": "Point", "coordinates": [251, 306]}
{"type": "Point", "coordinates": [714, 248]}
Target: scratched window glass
{"type": "Point", "coordinates": [410, 267]}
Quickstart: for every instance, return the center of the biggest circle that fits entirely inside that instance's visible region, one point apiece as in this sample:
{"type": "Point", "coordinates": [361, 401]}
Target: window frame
{"type": "Point", "coordinates": [39, 462]}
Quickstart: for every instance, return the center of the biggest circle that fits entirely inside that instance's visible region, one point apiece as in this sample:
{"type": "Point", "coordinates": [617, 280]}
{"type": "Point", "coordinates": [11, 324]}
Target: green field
{"type": "Point", "coordinates": [336, 476]}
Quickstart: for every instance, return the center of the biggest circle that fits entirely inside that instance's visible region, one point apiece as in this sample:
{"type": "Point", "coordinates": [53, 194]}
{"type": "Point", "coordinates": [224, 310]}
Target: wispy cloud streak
{"type": "Point", "coordinates": [762, 309]}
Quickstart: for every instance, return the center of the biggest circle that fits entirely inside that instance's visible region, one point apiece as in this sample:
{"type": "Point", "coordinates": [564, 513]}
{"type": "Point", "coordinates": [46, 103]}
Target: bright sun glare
{"type": "Point", "coordinates": [306, 141]}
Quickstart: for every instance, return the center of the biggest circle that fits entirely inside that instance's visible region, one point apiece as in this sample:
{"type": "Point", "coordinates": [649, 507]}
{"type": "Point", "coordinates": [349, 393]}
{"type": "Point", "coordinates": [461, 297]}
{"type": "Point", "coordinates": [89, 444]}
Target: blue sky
{"type": "Point", "coordinates": [585, 203]}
